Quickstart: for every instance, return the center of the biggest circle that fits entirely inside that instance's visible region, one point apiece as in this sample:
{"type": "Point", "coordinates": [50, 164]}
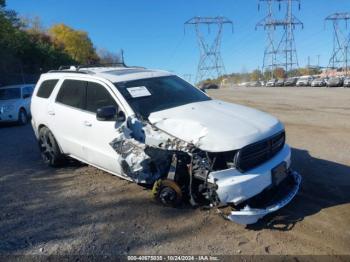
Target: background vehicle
{"type": "Point", "coordinates": [205, 86]}
{"type": "Point", "coordinates": [318, 82]}
{"type": "Point", "coordinates": [347, 82]}
{"type": "Point", "coordinates": [152, 127]}
{"type": "Point", "coordinates": [304, 81]}
{"type": "Point", "coordinates": [280, 82]}
{"type": "Point", "coordinates": [291, 81]}
{"type": "Point", "coordinates": [271, 82]}
{"type": "Point", "coordinates": [15, 103]}
{"type": "Point", "coordinates": [335, 82]}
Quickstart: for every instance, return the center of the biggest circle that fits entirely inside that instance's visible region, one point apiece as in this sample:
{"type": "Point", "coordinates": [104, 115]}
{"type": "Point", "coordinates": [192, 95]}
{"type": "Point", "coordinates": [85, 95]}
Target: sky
{"type": "Point", "coordinates": [151, 32]}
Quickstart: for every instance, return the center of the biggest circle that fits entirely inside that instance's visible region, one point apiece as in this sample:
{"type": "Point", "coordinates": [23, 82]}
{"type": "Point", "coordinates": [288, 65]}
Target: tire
{"type": "Point", "coordinates": [22, 117]}
{"type": "Point", "coordinates": [49, 149]}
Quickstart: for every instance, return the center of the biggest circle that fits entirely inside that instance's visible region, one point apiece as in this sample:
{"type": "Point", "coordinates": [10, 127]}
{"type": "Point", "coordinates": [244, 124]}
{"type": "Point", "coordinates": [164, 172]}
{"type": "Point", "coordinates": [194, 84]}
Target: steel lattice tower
{"type": "Point", "coordinates": [284, 54]}
{"type": "Point", "coordinates": [341, 41]}
{"type": "Point", "coordinates": [210, 64]}
{"type": "Point", "coordinates": [269, 60]}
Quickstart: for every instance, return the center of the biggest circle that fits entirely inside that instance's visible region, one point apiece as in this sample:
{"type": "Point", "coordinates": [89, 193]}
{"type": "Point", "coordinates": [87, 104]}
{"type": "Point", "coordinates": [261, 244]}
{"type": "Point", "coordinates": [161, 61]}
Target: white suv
{"type": "Point", "coordinates": [152, 127]}
{"type": "Point", "coordinates": [15, 103]}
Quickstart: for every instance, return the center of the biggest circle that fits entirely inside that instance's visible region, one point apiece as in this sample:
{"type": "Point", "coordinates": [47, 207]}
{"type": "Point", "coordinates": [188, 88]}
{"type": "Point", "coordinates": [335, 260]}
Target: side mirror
{"type": "Point", "coordinates": [106, 113]}
{"type": "Point", "coordinates": [121, 116]}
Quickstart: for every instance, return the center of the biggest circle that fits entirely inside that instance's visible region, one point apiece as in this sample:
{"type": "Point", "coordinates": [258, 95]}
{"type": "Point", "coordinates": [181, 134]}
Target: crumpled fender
{"type": "Point", "coordinates": [249, 215]}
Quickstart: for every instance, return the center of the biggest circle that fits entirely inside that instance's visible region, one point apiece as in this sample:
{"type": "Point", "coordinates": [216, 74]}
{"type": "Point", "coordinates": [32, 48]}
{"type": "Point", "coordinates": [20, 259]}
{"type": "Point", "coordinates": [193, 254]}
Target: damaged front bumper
{"type": "Point", "coordinates": [249, 215]}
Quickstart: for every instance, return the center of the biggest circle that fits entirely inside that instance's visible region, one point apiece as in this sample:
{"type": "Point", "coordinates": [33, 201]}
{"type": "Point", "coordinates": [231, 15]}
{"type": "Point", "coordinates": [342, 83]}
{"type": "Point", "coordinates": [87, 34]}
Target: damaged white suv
{"type": "Point", "coordinates": [152, 127]}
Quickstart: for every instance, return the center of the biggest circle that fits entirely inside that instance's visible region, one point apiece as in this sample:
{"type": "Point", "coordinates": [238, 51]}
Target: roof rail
{"type": "Point", "coordinates": [67, 71]}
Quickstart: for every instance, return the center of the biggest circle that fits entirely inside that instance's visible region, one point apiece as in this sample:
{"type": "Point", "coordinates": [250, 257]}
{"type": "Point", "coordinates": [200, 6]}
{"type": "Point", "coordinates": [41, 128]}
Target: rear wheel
{"type": "Point", "coordinates": [49, 149]}
{"type": "Point", "coordinates": [22, 117]}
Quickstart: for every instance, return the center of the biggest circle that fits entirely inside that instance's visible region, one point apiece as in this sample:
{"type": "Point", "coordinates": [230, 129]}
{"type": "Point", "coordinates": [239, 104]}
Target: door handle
{"type": "Point", "coordinates": [87, 123]}
{"type": "Point", "coordinates": [51, 112]}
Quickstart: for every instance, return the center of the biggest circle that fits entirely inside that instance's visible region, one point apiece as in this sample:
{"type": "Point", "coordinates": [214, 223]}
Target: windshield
{"type": "Point", "coordinates": [146, 96]}
{"type": "Point", "coordinates": [10, 93]}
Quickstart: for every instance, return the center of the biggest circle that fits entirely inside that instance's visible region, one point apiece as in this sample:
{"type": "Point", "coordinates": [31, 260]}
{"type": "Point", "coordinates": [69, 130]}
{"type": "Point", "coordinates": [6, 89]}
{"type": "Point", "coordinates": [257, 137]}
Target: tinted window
{"type": "Point", "coordinates": [46, 88]}
{"type": "Point", "coordinates": [154, 94]}
{"type": "Point", "coordinates": [28, 90]}
{"type": "Point", "coordinates": [72, 93]}
{"type": "Point", "coordinates": [10, 93]}
{"type": "Point", "coordinates": [97, 96]}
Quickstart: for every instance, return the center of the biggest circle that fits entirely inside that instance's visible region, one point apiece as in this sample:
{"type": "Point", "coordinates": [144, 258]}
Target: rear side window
{"type": "Point", "coordinates": [97, 96]}
{"type": "Point", "coordinates": [46, 88]}
{"type": "Point", "coordinates": [72, 93]}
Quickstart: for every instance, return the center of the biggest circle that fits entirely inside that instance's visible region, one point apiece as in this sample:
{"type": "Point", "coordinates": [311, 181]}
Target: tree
{"type": "Point", "coordinates": [75, 43]}
{"type": "Point", "coordinates": [279, 73]}
{"type": "Point", "coordinates": [256, 75]}
{"type": "Point", "coordinates": [107, 57]}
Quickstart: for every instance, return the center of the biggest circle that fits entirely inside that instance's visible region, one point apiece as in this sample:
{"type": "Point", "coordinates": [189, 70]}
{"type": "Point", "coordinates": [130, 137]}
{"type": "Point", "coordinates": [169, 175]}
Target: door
{"type": "Point", "coordinates": [65, 116]}
{"type": "Point", "coordinates": [99, 134]}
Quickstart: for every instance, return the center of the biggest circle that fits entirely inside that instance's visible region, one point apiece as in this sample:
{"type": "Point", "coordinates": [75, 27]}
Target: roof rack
{"type": "Point", "coordinates": [78, 68]}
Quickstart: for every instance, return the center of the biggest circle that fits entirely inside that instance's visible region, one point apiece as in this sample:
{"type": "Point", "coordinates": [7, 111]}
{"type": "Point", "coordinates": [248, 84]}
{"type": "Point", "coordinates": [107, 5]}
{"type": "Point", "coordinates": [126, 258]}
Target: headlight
{"type": "Point", "coordinates": [7, 108]}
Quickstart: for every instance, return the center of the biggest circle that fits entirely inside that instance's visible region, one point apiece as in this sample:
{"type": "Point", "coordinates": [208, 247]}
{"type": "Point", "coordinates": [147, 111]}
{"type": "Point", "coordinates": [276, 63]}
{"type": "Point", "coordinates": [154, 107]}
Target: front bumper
{"type": "Point", "coordinates": [234, 187]}
{"type": "Point", "coordinates": [249, 215]}
{"type": "Point", "coordinates": [239, 189]}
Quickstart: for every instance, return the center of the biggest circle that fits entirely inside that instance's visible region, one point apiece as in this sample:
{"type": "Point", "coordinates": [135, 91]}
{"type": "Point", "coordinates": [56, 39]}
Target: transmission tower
{"type": "Point", "coordinates": [210, 62]}
{"type": "Point", "coordinates": [341, 41]}
{"type": "Point", "coordinates": [283, 54]}
{"type": "Point", "coordinates": [268, 23]}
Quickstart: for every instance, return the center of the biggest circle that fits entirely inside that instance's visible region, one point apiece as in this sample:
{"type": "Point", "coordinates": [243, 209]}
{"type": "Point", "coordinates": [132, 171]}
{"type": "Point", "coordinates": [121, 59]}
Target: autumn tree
{"type": "Point", "coordinates": [76, 43]}
{"type": "Point", "coordinates": [279, 73]}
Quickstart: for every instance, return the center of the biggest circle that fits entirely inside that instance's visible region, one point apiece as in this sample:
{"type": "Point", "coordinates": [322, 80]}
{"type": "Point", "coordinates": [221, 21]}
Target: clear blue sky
{"type": "Point", "coordinates": [152, 34]}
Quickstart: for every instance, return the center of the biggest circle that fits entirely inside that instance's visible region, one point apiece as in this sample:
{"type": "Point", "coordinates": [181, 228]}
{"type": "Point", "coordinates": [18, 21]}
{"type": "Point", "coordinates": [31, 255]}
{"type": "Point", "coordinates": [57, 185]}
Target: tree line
{"type": "Point", "coordinates": [27, 49]}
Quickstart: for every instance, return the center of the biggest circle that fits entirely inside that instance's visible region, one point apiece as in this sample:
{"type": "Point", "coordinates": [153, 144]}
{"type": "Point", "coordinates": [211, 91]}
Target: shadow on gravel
{"type": "Point", "coordinates": [325, 184]}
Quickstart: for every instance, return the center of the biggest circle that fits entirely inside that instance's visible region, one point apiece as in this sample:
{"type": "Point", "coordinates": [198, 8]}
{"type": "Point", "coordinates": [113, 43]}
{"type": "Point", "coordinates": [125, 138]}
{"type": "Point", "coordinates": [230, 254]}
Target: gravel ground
{"type": "Point", "coordinates": [81, 210]}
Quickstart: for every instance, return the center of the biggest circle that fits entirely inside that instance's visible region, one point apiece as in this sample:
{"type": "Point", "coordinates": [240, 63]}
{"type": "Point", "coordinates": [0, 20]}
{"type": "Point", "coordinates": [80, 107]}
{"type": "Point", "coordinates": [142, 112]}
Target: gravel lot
{"type": "Point", "coordinates": [81, 210]}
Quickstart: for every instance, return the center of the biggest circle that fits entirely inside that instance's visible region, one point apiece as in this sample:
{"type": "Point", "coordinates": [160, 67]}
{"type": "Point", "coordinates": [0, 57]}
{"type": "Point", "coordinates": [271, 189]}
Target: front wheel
{"type": "Point", "coordinates": [49, 149]}
{"type": "Point", "coordinates": [22, 117]}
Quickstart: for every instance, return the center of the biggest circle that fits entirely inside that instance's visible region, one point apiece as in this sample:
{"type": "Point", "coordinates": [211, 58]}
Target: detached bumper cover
{"type": "Point", "coordinates": [249, 215]}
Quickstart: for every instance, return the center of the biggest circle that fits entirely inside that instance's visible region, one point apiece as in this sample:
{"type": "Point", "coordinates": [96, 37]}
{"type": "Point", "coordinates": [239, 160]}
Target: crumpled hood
{"type": "Point", "coordinates": [216, 126]}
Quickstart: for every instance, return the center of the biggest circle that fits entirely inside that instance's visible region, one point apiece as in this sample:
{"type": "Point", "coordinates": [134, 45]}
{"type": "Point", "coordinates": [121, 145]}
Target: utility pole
{"type": "Point", "coordinates": [341, 41]}
{"type": "Point", "coordinates": [210, 62]}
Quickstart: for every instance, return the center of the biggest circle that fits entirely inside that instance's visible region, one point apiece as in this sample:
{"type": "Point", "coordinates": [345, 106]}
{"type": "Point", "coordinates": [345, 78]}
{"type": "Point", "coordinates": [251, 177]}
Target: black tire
{"type": "Point", "coordinates": [22, 117]}
{"type": "Point", "coordinates": [49, 149]}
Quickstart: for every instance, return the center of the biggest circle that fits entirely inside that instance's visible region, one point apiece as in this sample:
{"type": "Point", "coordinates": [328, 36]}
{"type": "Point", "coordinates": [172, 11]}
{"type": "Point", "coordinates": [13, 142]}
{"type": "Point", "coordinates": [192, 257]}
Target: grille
{"type": "Point", "coordinates": [255, 154]}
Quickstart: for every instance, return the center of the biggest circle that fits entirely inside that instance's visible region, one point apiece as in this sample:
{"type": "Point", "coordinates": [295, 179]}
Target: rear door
{"type": "Point", "coordinates": [66, 117]}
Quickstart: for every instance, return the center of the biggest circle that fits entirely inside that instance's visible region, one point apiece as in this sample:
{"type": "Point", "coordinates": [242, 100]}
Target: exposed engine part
{"type": "Point", "coordinates": [147, 154]}
{"type": "Point", "coordinates": [167, 192]}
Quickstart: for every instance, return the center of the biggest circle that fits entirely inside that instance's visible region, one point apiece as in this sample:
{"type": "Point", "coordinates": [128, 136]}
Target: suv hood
{"type": "Point", "coordinates": [216, 126]}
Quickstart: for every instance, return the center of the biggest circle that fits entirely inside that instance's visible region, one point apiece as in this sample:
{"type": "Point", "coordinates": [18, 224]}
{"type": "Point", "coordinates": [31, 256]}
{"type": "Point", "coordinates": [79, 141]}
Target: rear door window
{"type": "Point", "coordinates": [97, 96]}
{"type": "Point", "coordinates": [46, 88]}
{"type": "Point", "coordinates": [72, 93]}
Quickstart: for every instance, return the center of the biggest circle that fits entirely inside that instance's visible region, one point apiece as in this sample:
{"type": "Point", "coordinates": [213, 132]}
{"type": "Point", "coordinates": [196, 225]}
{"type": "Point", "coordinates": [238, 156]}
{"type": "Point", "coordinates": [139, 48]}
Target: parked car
{"type": "Point", "coordinates": [318, 82]}
{"type": "Point", "coordinates": [347, 82]}
{"type": "Point", "coordinates": [152, 127]}
{"type": "Point", "coordinates": [335, 82]}
{"type": "Point", "coordinates": [304, 81]}
{"type": "Point", "coordinates": [291, 81]}
{"type": "Point", "coordinates": [280, 82]}
{"type": "Point", "coordinates": [15, 103]}
{"type": "Point", "coordinates": [271, 82]}
{"type": "Point", "coordinates": [206, 86]}
{"type": "Point", "coordinates": [255, 84]}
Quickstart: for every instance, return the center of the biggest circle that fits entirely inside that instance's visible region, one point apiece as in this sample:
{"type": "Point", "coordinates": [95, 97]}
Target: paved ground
{"type": "Point", "coordinates": [81, 210]}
